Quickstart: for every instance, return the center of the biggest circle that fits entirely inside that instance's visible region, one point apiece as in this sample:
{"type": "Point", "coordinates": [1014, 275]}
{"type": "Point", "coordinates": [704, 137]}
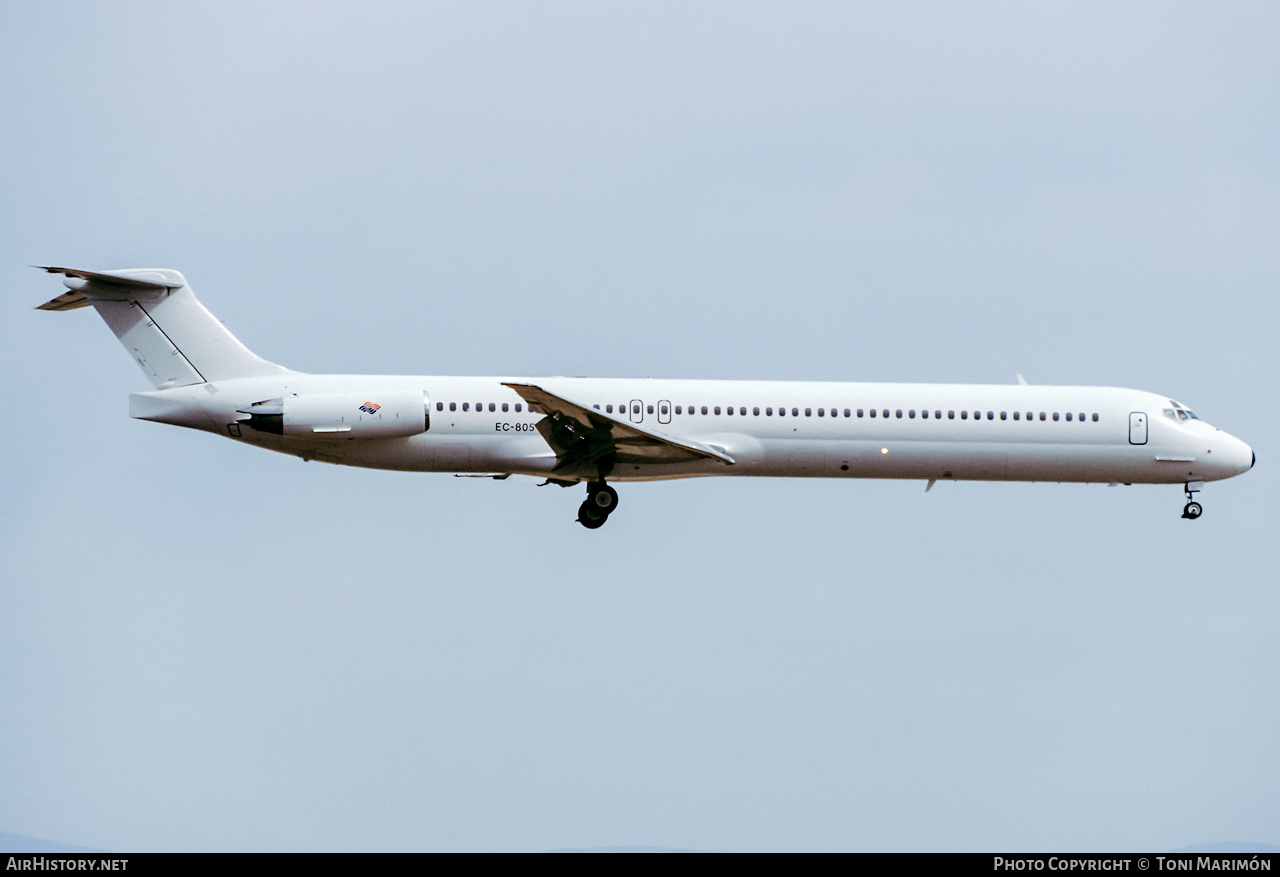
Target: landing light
{"type": "Point", "coordinates": [884, 450]}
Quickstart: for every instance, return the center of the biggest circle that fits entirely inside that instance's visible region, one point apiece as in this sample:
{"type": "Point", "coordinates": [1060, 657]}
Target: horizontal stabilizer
{"type": "Point", "coordinates": [109, 284]}
{"type": "Point", "coordinates": [68, 301]}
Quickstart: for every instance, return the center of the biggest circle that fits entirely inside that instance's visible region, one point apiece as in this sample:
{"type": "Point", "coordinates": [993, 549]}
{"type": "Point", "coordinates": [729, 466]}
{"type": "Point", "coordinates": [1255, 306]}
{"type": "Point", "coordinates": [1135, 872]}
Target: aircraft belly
{"type": "Point", "coordinates": [968, 461]}
{"type": "Point", "coordinates": [795, 458]}
{"type": "Point", "coordinates": [971, 461]}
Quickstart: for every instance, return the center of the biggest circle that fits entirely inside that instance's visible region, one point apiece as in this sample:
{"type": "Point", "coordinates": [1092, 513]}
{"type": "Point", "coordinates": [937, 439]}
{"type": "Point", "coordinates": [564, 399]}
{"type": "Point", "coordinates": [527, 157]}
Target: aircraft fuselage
{"type": "Point", "coordinates": [784, 429]}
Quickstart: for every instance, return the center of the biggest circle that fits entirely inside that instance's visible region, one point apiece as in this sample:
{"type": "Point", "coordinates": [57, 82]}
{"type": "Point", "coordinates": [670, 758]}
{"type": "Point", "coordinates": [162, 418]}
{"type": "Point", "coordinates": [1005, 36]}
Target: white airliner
{"type": "Point", "coordinates": [595, 430]}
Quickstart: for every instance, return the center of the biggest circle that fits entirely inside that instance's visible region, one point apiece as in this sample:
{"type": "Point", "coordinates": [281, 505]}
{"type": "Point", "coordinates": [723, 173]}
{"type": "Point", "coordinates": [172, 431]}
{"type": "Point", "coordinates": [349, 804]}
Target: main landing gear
{"type": "Point", "coordinates": [1192, 509]}
{"type": "Point", "coordinates": [600, 503]}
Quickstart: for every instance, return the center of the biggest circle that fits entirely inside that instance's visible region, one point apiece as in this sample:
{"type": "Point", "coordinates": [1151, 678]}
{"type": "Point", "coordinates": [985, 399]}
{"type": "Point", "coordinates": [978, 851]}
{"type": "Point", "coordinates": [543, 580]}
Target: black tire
{"type": "Point", "coordinates": [591, 518]}
{"type": "Point", "coordinates": [1192, 510]}
{"type": "Point", "coordinates": [602, 498]}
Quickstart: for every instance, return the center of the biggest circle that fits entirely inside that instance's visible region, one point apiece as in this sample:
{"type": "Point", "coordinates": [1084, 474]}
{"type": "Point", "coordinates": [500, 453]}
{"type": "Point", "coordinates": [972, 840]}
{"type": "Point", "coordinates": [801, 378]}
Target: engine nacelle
{"type": "Point", "coordinates": [339, 416]}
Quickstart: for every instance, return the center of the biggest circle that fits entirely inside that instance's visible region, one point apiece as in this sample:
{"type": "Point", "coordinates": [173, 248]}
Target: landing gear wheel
{"type": "Point", "coordinates": [1192, 510]}
{"type": "Point", "coordinates": [601, 497]}
{"type": "Point", "coordinates": [591, 518]}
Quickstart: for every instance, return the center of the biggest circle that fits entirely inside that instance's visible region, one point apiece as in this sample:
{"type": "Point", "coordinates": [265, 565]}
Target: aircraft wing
{"type": "Point", "coordinates": [581, 435]}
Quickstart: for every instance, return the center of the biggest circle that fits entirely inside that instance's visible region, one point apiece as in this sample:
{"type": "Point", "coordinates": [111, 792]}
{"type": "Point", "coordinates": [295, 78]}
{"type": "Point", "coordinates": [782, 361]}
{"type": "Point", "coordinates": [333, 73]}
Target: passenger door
{"type": "Point", "coordinates": [1137, 428]}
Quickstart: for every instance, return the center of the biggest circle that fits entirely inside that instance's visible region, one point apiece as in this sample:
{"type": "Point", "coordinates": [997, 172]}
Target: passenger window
{"type": "Point", "coordinates": [822, 412]}
{"type": "Point", "coordinates": [1068, 417]}
{"type": "Point", "coordinates": [912, 414]}
{"type": "Point", "coordinates": [1081, 417]}
{"type": "Point", "coordinates": [925, 414]}
{"type": "Point", "coordinates": [991, 415]}
{"type": "Point", "coordinates": [678, 407]}
{"type": "Point", "coordinates": [717, 409]}
{"type": "Point", "coordinates": [504, 407]}
{"type": "Point", "coordinates": [768, 412]}
{"type": "Point", "coordinates": [635, 409]}
{"type": "Point", "coordinates": [649, 409]}
{"type": "Point", "coordinates": [899, 414]}
{"type": "Point", "coordinates": [1043, 416]}
{"type": "Point", "coordinates": [453, 406]}
{"type": "Point", "coordinates": [859, 412]}
{"type": "Point", "coordinates": [439, 406]}
{"type": "Point", "coordinates": [937, 415]}
{"type": "Point", "coordinates": [951, 415]}
{"type": "Point", "coordinates": [964, 415]}
{"type": "Point", "coordinates": [1004, 415]}
{"type": "Point", "coordinates": [1095, 418]}
{"type": "Point", "coordinates": [517, 408]}
{"type": "Point", "coordinates": [846, 412]}
{"type": "Point", "coordinates": [466, 406]}
{"type": "Point", "coordinates": [884, 412]}
{"type": "Point", "coordinates": [873, 412]}
{"type": "Point", "coordinates": [729, 411]}
{"type": "Point", "coordinates": [977, 415]}
{"type": "Point", "coordinates": [493, 406]}
{"type": "Point", "coordinates": [1055, 415]}
{"type": "Point", "coordinates": [808, 412]}
{"type": "Point", "coordinates": [755, 412]}
{"type": "Point", "coordinates": [795, 412]}
{"type": "Point", "coordinates": [608, 409]}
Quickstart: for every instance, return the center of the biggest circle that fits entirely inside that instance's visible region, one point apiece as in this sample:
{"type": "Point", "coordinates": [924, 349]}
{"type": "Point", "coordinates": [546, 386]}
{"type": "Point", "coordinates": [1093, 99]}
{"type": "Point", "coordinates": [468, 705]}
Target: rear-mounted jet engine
{"type": "Point", "coordinates": [378, 415]}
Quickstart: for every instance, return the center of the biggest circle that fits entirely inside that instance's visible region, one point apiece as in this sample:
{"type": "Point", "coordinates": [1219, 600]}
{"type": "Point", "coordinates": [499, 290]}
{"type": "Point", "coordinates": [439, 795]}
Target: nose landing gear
{"type": "Point", "coordinates": [1192, 509]}
{"type": "Point", "coordinates": [600, 502]}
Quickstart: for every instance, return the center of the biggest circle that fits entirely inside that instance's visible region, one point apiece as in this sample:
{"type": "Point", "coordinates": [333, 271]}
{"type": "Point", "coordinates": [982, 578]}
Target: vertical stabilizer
{"type": "Point", "coordinates": [158, 319]}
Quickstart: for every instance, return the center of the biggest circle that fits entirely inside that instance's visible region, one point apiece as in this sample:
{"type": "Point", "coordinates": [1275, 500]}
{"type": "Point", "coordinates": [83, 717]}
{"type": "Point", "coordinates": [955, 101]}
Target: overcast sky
{"type": "Point", "coordinates": [208, 647]}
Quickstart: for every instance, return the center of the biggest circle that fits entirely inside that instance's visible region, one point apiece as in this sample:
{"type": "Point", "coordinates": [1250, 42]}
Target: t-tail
{"type": "Point", "coordinates": [157, 318]}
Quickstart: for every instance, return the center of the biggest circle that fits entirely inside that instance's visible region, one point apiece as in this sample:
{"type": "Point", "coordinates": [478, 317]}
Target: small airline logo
{"type": "Point", "coordinates": [370, 407]}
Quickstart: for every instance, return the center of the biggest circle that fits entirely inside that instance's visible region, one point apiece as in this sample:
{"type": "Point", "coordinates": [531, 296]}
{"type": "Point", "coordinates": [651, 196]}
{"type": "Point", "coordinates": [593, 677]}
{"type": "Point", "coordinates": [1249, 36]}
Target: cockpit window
{"type": "Point", "coordinates": [1179, 414]}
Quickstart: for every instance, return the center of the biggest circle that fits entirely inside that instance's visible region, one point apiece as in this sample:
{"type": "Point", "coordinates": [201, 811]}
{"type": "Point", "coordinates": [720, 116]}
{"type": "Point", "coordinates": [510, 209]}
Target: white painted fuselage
{"type": "Point", "coordinates": [786, 429]}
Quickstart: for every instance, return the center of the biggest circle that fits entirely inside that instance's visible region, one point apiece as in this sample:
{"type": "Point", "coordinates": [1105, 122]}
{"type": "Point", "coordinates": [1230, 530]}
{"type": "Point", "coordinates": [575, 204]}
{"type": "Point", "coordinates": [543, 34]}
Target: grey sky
{"type": "Point", "coordinates": [204, 647]}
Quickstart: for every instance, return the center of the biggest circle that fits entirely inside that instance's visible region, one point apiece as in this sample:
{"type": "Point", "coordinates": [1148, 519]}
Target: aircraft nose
{"type": "Point", "coordinates": [1238, 455]}
{"type": "Point", "coordinates": [1227, 455]}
